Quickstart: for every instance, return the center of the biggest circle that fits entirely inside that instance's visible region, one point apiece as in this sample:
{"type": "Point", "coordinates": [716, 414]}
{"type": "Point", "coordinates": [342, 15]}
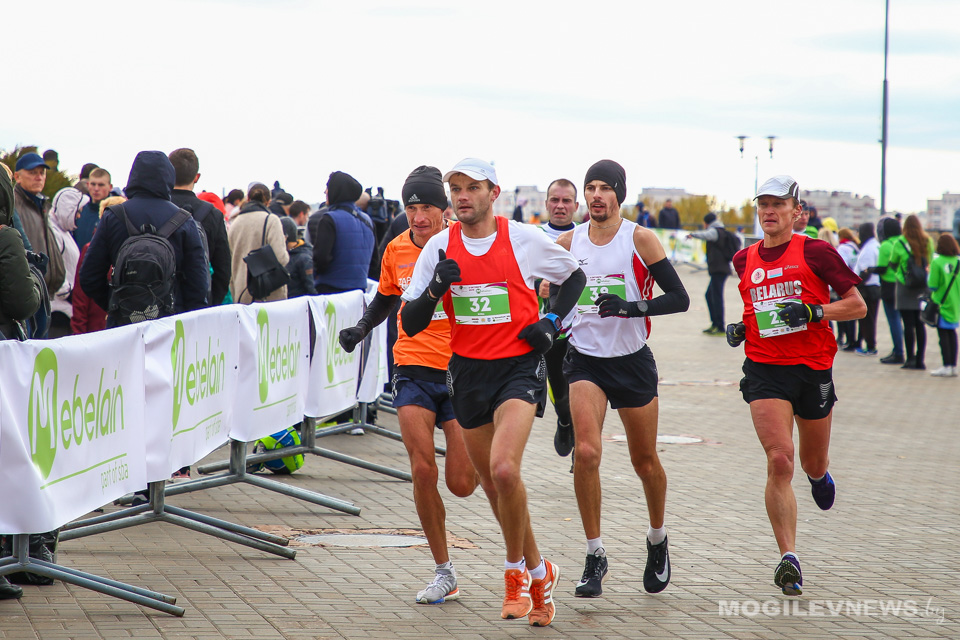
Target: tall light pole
{"type": "Point", "coordinates": [757, 230]}
{"type": "Point", "coordinates": [883, 139]}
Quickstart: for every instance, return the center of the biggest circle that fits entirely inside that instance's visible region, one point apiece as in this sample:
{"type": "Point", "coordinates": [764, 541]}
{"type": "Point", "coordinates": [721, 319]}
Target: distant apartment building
{"type": "Point", "coordinates": [943, 213]}
{"type": "Point", "coordinates": [848, 209]}
{"type": "Point", "coordinates": [533, 203]}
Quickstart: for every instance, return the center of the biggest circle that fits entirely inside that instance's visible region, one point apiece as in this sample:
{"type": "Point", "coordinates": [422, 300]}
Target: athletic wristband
{"type": "Point", "coordinates": [816, 312]}
{"type": "Point", "coordinates": [555, 319]}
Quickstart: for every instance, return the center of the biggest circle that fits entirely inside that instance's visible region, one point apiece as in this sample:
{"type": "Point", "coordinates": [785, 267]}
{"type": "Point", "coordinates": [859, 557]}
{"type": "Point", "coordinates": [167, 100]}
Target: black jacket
{"type": "Point", "coordinates": [300, 269]}
{"type": "Point", "coordinates": [148, 189]}
{"type": "Point", "coordinates": [19, 294]}
{"type": "Point", "coordinates": [215, 228]}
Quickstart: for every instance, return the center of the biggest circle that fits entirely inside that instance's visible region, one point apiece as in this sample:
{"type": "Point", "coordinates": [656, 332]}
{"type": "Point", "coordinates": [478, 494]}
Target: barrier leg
{"type": "Point", "coordinates": [123, 591]}
{"type": "Point", "coordinates": [158, 512]}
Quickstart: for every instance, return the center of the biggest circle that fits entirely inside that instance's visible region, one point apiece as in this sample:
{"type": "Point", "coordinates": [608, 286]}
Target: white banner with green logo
{"type": "Point", "coordinates": [274, 368]}
{"type": "Point", "coordinates": [73, 430]}
{"type": "Point", "coordinates": [374, 374]}
{"type": "Point", "coordinates": [191, 384]}
{"type": "Point", "coordinates": [334, 374]}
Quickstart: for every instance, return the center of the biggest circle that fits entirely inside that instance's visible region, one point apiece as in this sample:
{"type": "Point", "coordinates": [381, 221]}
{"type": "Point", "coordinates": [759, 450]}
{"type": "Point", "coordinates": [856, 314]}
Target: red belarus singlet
{"type": "Point", "coordinates": [492, 303]}
{"type": "Point", "coordinates": [763, 285]}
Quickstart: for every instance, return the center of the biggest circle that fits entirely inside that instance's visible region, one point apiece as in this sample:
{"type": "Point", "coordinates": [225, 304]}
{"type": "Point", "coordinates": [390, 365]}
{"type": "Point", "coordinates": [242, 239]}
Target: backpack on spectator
{"type": "Point", "coordinates": [142, 284]}
{"type": "Point", "coordinates": [915, 275]}
{"type": "Point", "coordinates": [729, 244]}
{"type": "Point", "coordinates": [265, 274]}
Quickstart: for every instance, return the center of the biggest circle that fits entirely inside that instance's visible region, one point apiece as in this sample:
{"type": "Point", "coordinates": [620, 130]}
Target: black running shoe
{"type": "Point", "coordinates": [563, 439]}
{"type": "Point", "coordinates": [656, 575]}
{"type": "Point", "coordinates": [594, 573]}
{"type": "Point", "coordinates": [788, 576]}
{"type": "Point", "coordinates": [824, 491]}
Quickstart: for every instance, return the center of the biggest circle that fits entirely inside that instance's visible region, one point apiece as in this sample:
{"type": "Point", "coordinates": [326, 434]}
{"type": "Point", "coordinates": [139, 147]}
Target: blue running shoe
{"type": "Point", "coordinates": [824, 491]}
{"type": "Point", "coordinates": [788, 576]}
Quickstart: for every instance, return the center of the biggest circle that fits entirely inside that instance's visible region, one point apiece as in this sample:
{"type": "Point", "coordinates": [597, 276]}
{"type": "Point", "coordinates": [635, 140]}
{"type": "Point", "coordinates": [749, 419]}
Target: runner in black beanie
{"type": "Point", "coordinates": [424, 185]}
{"type": "Point", "coordinates": [611, 173]}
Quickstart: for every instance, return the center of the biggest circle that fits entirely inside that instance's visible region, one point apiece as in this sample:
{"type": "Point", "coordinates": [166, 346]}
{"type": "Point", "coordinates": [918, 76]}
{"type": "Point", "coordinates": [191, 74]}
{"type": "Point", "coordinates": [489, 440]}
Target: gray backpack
{"type": "Point", "coordinates": [142, 284]}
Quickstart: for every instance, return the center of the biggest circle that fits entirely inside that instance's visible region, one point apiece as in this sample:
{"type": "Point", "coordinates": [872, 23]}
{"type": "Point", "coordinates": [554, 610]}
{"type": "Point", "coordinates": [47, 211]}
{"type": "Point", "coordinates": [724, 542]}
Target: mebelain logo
{"type": "Point", "coordinates": [200, 377]}
{"type": "Point", "coordinates": [336, 356]}
{"type": "Point", "coordinates": [276, 362]}
{"type": "Point", "coordinates": [79, 420]}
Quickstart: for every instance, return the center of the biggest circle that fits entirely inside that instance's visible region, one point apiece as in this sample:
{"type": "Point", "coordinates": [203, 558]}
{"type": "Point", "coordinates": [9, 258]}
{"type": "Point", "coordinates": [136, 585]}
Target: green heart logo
{"type": "Point", "coordinates": [42, 412]}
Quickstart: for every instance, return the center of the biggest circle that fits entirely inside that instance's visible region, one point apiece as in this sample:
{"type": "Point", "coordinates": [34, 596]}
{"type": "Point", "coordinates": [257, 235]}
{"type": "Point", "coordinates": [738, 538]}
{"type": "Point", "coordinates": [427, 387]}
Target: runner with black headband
{"type": "Point", "coordinates": [609, 361]}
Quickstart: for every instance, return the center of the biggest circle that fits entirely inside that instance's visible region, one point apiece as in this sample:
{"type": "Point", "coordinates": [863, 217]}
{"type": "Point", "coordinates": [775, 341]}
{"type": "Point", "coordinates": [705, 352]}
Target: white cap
{"type": "Point", "coordinates": [475, 168]}
{"type": "Point", "coordinates": [782, 186]}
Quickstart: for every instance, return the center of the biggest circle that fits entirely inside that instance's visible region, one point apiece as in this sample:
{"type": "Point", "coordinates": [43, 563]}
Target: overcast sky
{"type": "Point", "coordinates": [292, 90]}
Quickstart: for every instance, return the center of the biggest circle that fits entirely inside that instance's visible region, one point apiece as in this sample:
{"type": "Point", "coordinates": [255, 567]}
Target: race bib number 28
{"type": "Point", "coordinates": [481, 303]}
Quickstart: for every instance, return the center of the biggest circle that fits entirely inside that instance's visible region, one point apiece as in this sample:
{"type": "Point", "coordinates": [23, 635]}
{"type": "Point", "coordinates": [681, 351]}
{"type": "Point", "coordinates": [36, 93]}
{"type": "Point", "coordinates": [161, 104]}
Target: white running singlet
{"type": "Point", "coordinates": [617, 268]}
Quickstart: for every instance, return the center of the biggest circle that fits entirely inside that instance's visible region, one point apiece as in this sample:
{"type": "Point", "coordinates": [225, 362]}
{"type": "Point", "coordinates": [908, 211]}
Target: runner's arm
{"type": "Point", "coordinates": [850, 306]}
{"type": "Point", "coordinates": [379, 310]}
{"type": "Point", "coordinates": [674, 298]}
{"type": "Point", "coordinates": [563, 297]}
{"type": "Point", "coordinates": [416, 314]}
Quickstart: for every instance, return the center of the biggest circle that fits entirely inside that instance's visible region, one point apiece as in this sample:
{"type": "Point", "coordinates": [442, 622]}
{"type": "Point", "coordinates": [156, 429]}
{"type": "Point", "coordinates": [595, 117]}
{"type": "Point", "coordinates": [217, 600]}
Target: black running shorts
{"type": "Point", "coordinates": [478, 387]}
{"type": "Point", "coordinates": [810, 391]}
{"type": "Point", "coordinates": [628, 381]}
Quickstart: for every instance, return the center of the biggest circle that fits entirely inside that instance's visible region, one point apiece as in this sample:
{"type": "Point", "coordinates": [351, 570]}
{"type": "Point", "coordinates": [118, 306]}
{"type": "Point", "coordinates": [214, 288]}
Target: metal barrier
{"type": "Point", "coordinates": [21, 561]}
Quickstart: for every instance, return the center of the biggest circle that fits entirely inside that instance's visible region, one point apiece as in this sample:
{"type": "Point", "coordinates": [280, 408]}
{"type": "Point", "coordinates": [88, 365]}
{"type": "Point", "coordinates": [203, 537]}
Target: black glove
{"type": "Point", "coordinates": [613, 306]}
{"type": "Point", "coordinates": [39, 260]}
{"type": "Point", "coordinates": [736, 334]}
{"type": "Point", "coordinates": [351, 337]}
{"type": "Point", "coordinates": [797, 314]}
{"type": "Point", "coordinates": [540, 334]}
{"type": "Point", "coordinates": [445, 273]}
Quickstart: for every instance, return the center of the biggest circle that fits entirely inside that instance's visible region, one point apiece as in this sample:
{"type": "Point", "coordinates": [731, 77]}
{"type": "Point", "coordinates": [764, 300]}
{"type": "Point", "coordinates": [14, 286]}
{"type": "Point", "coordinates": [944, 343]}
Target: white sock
{"type": "Point", "coordinates": [656, 536]}
{"type": "Point", "coordinates": [790, 553]}
{"type": "Point", "coordinates": [812, 479]}
{"type": "Point", "coordinates": [594, 545]}
{"type": "Point", "coordinates": [513, 565]}
{"type": "Point", "coordinates": [540, 571]}
{"type": "Point", "coordinates": [447, 567]}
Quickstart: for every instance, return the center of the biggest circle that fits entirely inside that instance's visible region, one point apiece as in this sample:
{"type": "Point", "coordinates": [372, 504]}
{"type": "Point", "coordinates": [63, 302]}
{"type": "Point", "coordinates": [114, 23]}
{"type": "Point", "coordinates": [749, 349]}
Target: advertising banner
{"type": "Point", "coordinates": [274, 368]}
{"type": "Point", "coordinates": [191, 386]}
{"type": "Point", "coordinates": [73, 431]}
{"type": "Point", "coordinates": [374, 374]}
{"type": "Point", "coordinates": [334, 373]}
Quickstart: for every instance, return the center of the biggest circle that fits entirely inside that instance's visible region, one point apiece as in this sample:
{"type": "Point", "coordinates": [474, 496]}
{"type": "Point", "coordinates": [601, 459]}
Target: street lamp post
{"type": "Point", "coordinates": [757, 230]}
{"type": "Point", "coordinates": [883, 139]}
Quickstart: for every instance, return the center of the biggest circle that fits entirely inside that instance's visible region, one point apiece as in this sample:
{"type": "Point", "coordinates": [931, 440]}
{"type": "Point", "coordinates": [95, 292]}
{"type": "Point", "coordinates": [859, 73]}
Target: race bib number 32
{"type": "Point", "coordinates": [481, 303]}
{"type": "Point", "coordinates": [613, 283]}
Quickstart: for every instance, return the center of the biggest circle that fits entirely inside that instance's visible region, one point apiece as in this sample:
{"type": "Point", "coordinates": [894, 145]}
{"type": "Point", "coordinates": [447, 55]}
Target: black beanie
{"type": "Point", "coordinates": [710, 217]}
{"type": "Point", "coordinates": [342, 187]}
{"type": "Point", "coordinates": [611, 173]}
{"type": "Point", "coordinates": [424, 185]}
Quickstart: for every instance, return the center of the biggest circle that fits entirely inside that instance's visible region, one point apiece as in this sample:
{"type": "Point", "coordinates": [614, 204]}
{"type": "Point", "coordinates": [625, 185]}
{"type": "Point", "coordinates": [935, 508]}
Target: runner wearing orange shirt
{"type": "Point", "coordinates": [419, 378]}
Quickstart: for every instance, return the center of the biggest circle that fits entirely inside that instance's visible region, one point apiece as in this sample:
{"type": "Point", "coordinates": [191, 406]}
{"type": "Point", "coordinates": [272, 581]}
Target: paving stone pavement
{"type": "Point", "coordinates": [889, 540]}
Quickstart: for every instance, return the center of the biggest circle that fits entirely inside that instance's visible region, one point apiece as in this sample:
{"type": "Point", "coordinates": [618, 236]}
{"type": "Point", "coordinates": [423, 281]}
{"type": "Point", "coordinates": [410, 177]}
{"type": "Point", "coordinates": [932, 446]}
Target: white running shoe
{"type": "Point", "coordinates": [443, 588]}
{"type": "Point", "coordinates": [943, 372]}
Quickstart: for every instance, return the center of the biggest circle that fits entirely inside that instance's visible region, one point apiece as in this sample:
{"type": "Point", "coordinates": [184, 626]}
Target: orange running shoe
{"type": "Point", "coordinates": [541, 592]}
{"type": "Point", "coordinates": [517, 603]}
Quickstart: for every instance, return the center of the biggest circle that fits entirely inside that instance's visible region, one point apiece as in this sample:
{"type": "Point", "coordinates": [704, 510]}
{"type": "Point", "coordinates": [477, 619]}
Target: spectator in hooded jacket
{"type": "Point", "coordinates": [869, 289]}
{"type": "Point", "coordinates": [148, 188]}
{"type": "Point", "coordinates": [67, 203]}
{"type": "Point", "coordinates": [718, 266]}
